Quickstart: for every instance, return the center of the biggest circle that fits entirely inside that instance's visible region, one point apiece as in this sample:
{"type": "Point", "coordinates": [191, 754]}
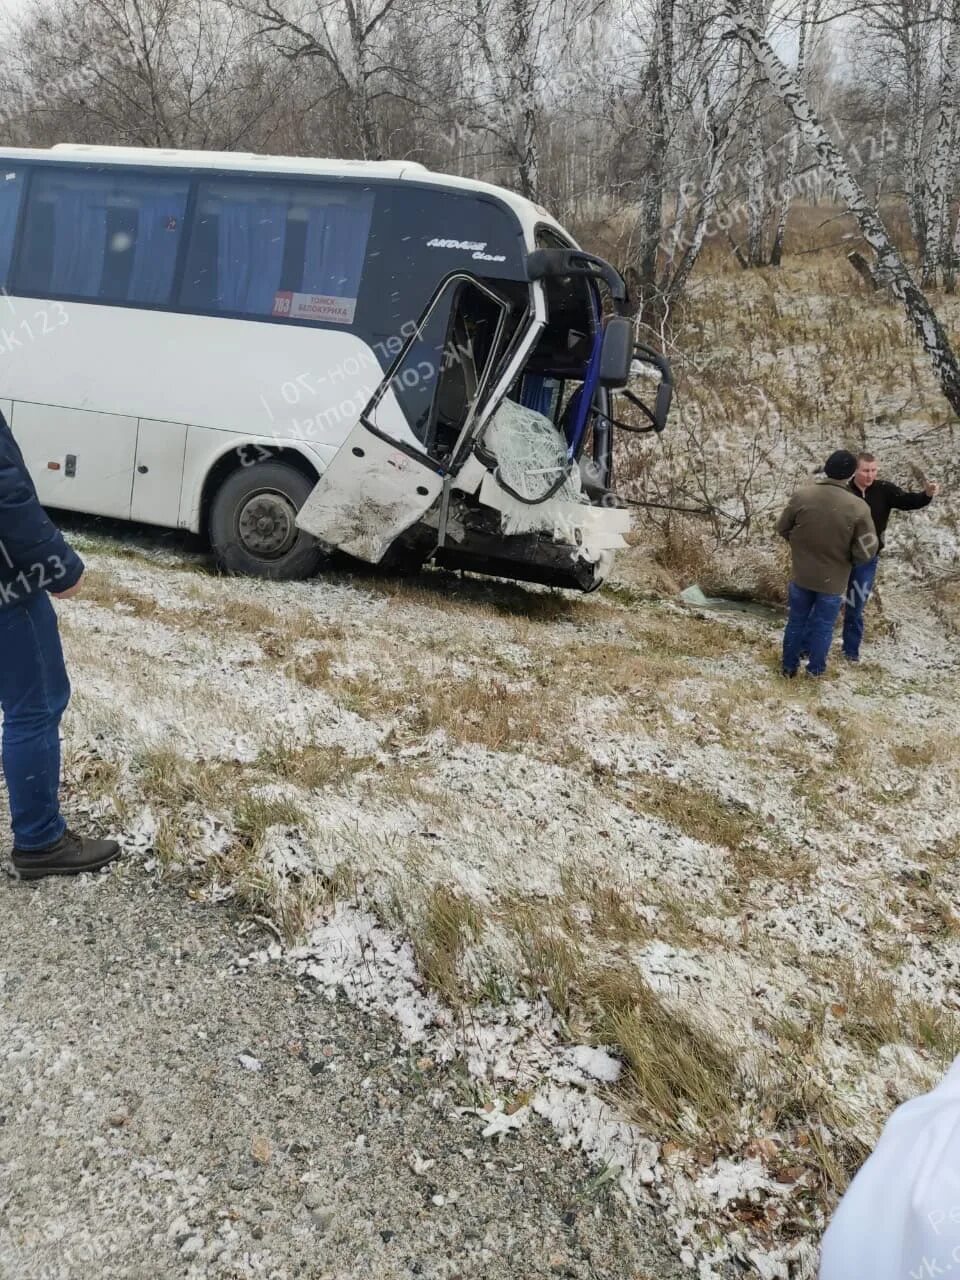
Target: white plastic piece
{"type": "Point", "coordinates": [901, 1214]}
{"type": "Point", "coordinates": [468, 478]}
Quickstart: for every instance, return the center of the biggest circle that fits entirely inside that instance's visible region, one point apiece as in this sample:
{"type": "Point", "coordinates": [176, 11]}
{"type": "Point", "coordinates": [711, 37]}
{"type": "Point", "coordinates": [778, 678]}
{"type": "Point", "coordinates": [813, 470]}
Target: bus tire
{"type": "Point", "coordinates": [251, 523]}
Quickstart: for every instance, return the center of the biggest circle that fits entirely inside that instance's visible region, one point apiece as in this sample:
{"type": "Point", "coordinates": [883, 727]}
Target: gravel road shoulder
{"type": "Point", "coordinates": [163, 1115]}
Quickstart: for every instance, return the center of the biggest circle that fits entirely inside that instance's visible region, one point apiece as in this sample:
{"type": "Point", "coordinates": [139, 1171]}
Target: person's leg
{"type": "Point", "coordinates": [858, 593]}
{"type": "Point", "coordinates": [800, 603]}
{"type": "Point", "coordinates": [34, 691]}
{"type": "Point", "coordinates": [823, 618]}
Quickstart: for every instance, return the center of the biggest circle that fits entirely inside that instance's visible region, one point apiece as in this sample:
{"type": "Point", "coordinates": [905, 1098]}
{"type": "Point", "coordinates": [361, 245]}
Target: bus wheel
{"type": "Point", "coordinates": [253, 527]}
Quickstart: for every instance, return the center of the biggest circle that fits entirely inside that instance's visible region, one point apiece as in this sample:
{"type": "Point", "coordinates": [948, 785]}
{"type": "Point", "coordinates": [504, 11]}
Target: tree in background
{"type": "Point", "coordinates": [633, 120]}
{"type": "Point", "coordinates": [168, 73]}
{"type": "Point", "coordinates": [890, 264]}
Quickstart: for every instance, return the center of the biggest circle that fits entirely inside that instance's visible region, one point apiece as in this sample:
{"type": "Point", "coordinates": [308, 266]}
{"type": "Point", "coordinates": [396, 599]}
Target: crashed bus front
{"type": "Point", "coordinates": [488, 444]}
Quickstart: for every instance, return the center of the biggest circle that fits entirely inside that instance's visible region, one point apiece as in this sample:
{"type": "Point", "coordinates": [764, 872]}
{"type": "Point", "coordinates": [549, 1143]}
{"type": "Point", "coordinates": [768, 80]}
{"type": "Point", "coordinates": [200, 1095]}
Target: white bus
{"type": "Point", "coordinates": [290, 355]}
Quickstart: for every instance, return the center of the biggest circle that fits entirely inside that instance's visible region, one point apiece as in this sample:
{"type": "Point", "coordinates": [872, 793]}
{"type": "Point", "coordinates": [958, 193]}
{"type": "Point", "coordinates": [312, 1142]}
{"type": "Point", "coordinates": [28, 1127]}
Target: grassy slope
{"type": "Point", "coordinates": [747, 887]}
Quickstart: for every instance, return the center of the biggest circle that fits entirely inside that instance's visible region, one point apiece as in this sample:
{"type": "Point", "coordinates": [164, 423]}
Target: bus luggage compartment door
{"type": "Point", "coordinates": [390, 470]}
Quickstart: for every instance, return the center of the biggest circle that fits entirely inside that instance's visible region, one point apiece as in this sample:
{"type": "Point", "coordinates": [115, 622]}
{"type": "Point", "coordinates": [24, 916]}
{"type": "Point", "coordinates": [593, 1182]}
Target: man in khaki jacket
{"type": "Point", "coordinates": [829, 530]}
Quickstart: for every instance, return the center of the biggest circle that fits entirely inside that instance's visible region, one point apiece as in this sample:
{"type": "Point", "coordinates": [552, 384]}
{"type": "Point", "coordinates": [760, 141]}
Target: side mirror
{"type": "Point", "coordinates": [616, 353]}
{"type": "Point", "coordinates": [646, 355]}
{"type": "Point", "coordinates": [657, 416]}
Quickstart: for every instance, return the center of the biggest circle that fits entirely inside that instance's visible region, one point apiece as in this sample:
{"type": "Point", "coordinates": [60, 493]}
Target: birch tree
{"type": "Point", "coordinates": [809, 17]}
{"type": "Point", "coordinates": [785, 86]}
{"type": "Point", "coordinates": [515, 51]}
{"type": "Point", "coordinates": [953, 260]}
{"type": "Point", "coordinates": [692, 97]}
{"type": "Point", "coordinates": [756, 159]}
{"type": "Point", "coordinates": [936, 246]}
{"type": "Point", "coordinates": [658, 102]}
{"type": "Point", "coordinates": [902, 34]}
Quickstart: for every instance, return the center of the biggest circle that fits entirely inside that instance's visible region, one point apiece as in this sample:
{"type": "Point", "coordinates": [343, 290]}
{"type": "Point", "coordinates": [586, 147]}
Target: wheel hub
{"type": "Point", "coordinates": [267, 525]}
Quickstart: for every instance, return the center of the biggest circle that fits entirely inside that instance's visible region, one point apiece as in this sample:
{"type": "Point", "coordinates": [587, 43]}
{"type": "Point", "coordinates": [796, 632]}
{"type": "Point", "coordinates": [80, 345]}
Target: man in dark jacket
{"type": "Point", "coordinates": [35, 563]}
{"type": "Point", "coordinates": [829, 531]}
{"type": "Point", "coordinates": [882, 497]}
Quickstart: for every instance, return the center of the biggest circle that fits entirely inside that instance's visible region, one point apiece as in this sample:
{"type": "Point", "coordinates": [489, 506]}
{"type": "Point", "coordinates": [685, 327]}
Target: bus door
{"type": "Point", "coordinates": [408, 444]}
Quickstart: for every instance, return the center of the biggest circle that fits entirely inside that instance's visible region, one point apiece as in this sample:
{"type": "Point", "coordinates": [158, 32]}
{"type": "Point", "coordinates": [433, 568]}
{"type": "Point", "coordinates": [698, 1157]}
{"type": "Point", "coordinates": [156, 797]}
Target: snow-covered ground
{"type": "Point", "coordinates": [438, 774]}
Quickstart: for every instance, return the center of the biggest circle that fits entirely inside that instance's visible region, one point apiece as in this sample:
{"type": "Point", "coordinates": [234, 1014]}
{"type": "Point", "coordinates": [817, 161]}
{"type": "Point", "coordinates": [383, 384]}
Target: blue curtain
{"type": "Point", "coordinates": [155, 253]}
{"type": "Point", "coordinates": [250, 255]}
{"type": "Point", "coordinates": [336, 248]}
{"type": "Point", "coordinates": [11, 188]}
{"type": "Point", "coordinates": [537, 393]}
{"type": "Point", "coordinates": [79, 242]}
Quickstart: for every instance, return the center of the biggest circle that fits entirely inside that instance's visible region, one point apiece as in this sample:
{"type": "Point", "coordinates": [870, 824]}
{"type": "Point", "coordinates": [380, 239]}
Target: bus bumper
{"type": "Point", "coordinates": [529, 557]}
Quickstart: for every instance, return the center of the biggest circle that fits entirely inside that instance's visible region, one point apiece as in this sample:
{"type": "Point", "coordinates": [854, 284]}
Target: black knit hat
{"type": "Point", "coordinates": [840, 465]}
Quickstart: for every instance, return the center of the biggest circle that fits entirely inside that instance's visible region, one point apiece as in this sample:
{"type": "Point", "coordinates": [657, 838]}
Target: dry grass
{"type": "Point", "coordinates": [448, 924]}
{"type": "Point", "coordinates": [471, 709]}
{"type": "Point", "coordinates": [695, 812]}
{"type": "Point", "coordinates": [683, 551]}
{"type": "Point", "coordinates": [914, 755]}
{"type": "Point", "coordinates": [552, 959]}
{"type": "Point", "coordinates": [96, 779]}
{"type": "Point", "coordinates": [780, 862]}
{"type": "Point", "coordinates": [101, 589]}
{"type": "Point", "coordinates": [311, 767]}
{"type": "Point", "coordinates": [611, 909]}
{"type": "Point", "coordinates": [255, 814]}
{"type": "Point", "coordinates": [168, 779]}
{"type": "Point", "coordinates": [873, 1014]}
{"type": "Point", "coordinates": [295, 641]}
{"type": "Point", "coordinates": [673, 1067]}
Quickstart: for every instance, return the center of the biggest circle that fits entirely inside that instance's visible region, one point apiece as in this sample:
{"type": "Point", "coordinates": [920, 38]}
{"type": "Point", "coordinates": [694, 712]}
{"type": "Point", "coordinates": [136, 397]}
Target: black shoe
{"type": "Point", "coordinates": [789, 675]}
{"type": "Point", "coordinates": [68, 857]}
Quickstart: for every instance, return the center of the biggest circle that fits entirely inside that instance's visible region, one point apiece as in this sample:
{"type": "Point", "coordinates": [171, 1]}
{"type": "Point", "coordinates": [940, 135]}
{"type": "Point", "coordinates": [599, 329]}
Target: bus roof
{"type": "Point", "coordinates": [528, 213]}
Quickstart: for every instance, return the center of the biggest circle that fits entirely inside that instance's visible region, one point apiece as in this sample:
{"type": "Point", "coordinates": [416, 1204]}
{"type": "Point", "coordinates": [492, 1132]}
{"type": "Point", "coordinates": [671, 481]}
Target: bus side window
{"type": "Point", "coordinates": [103, 237]}
{"type": "Point", "coordinates": [11, 189]}
{"type": "Point", "coordinates": [275, 250]}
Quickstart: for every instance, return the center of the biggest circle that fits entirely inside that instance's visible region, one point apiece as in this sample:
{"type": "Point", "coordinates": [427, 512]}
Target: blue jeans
{"type": "Point", "coordinates": [34, 692]}
{"type": "Point", "coordinates": [858, 593]}
{"type": "Point", "coordinates": [810, 624]}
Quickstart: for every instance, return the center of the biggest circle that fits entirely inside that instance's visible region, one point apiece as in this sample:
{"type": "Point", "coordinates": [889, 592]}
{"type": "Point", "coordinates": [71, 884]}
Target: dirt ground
{"type": "Point", "coordinates": [166, 1114]}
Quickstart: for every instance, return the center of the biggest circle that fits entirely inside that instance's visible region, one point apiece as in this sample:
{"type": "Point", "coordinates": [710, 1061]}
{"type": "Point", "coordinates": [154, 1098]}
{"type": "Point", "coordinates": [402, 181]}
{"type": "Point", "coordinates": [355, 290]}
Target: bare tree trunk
{"type": "Point", "coordinates": [786, 198]}
{"type": "Point", "coordinates": [953, 264]}
{"type": "Point", "coordinates": [786, 194]}
{"type": "Point", "coordinates": [755, 187]}
{"type": "Point", "coordinates": [915, 17]}
{"type": "Point", "coordinates": [938, 186]}
{"type": "Point", "coordinates": [921, 315]}
{"type": "Point", "coordinates": [652, 199]}
{"type": "Point", "coordinates": [722, 135]}
{"type": "Point", "coordinates": [757, 163]}
{"type": "Point", "coordinates": [360, 90]}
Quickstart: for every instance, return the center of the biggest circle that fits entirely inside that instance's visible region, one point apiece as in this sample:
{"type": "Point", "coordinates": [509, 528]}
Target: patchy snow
{"type": "Point", "coordinates": [848, 864]}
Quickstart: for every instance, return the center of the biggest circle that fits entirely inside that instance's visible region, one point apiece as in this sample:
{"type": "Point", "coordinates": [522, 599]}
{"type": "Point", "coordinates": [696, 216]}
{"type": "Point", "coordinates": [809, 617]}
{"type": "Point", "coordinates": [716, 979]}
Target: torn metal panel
{"type": "Point", "coordinates": [590, 530]}
{"type": "Point", "coordinates": [369, 494]}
